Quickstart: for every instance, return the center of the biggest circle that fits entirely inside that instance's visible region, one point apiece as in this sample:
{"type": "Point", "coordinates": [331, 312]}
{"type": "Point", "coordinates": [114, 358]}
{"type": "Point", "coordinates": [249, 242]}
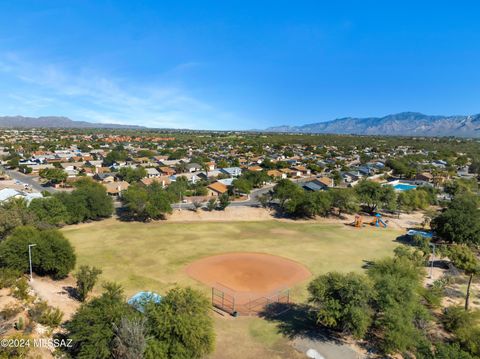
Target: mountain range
{"type": "Point", "coordinates": [401, 124]}
{"type": "Point", "coordinates": [54, 122]}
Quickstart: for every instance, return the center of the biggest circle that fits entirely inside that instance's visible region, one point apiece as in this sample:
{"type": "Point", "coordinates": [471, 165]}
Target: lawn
{"type": "Point", "coordinates": [152, 256]}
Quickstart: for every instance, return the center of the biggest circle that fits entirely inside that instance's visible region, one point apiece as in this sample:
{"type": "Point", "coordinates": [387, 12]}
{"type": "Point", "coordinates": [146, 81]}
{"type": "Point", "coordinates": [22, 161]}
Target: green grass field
{"type": "Point", "coordinates": [152, 256]}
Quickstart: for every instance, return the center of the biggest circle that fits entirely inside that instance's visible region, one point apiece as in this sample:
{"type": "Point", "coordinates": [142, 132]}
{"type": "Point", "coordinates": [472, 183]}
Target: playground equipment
{"type": "Point", "coordinates": [427, 235]}
{"type": "Point", "coordinates": [358, 221]}
{"type": "Point", "coordinates": [378, 221]}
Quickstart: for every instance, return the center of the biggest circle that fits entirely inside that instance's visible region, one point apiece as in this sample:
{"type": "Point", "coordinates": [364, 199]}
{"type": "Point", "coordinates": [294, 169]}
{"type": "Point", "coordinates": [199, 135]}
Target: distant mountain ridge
{"type": "Point", "coordinates": [54, 122]}
{"type": "Point", "coordinates": [401, 124]}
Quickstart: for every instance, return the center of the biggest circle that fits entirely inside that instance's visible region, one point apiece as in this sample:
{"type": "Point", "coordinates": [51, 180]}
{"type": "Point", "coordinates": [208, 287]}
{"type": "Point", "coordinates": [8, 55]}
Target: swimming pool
{"type": "Point", "coordinates": [404, 187]}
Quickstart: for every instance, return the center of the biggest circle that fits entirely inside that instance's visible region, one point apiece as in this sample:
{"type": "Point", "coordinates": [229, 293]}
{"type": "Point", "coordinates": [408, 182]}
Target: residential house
{"type": "Point", "coordinates": [193, 167]}
{"type": "Point", "coordinates": [216, 189]}
{"type": "Point", "coordinates": [302, 170]}
{"type": "Point", "coordinates": [424, 176]}
{"type": "Point", "coordinates": [276, 174]}
{"type": "Point", "coordinates": [163, 180]}
{"type": "Point", "coordinates": [232, 171]}
{"type": "Point", "coordinates": [104, 177]}
{"type": "Point", "coordinates": [116, 188]}
{"type": "Point", "coordinates": [167, 171]}
{"type": "Point", "coordinates": [152, 173]}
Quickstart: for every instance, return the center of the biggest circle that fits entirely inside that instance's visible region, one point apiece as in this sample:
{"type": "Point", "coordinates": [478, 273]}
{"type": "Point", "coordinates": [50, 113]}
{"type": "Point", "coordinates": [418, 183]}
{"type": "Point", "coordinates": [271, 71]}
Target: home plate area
{"type": "Point", "coordinates": [248, 283]}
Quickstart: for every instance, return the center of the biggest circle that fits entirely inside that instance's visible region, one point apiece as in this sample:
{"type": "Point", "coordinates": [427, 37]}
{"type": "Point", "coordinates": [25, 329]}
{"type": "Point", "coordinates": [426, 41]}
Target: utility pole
{"type": "Point", "coordinates": [30, 259]}
{"type": "Point", "coordinates": [433, 258]}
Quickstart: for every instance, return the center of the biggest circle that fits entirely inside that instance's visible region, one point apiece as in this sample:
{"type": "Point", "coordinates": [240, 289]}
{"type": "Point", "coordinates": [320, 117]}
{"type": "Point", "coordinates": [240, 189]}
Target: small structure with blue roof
{"type": "Point", "coordinates": [141, 299]}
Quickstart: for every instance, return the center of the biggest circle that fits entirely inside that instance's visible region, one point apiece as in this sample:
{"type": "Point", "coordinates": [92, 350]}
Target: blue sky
{"type": "Point", "coordinates": [237, 64]}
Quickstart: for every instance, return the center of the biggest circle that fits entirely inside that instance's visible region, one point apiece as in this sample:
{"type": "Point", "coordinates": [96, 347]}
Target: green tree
{"type": "Point", "coordinates": [397, 301]}
{"type": "Point", "coordinates": [92, 328]}
{"type": "Point", "coordinates": [375, 196]}
{"type": "Point", "coordinates": [465, 259]}
{"type": "Point", "coordinates": [159, 202]}
{"type": "Point", "coordinates": [132, 175]}
{"type": "Point", "coordinates": [86, 280]}
{"type": "Point", "coordinates": [53, 254]}
{"type": "Point", "coordinates": [223, 201]}
{"type": "Point", "coordinates": [177, 189]}
{"type": "Point", "coordinates": [342, 302]}
{"type": "Point", "coordinates": [181, 326]}
{"type": "Point", "coordinates": [461, 187]}
{"type": "Point", "coordinates": [345, 200]}
{"type": "Point", "coordinates": [412, 200]}
{"type": "Point", "coordinates": [241, 185]}
{"type": "Point", "coordinates": [143, 203]}
{"type": "Point", "coordinates": [460, 222]}
{"type": "Point", "coordinates": [76, 207]}
{"type": "Point", "coordinates": [286, 190]}
{"type": "Point", "coordinates": [94, 197]}
{"type": "Point", "coordinates": [264, 200]}
{"type": "Point", "coordinates": [15, 213]}
{"type": "Point", "coordinates": [115, 156]}
{"type": "Point", "coordinates": [53, 175]}
{"type": "Point", "coordinates": [49, 210]}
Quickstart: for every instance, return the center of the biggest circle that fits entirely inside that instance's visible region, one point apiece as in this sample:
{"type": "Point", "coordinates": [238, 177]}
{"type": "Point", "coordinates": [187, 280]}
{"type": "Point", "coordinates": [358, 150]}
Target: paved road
{"type": "Point", "coordinates": [252, 200]}
{"type": "Point", "coordinates": [29, 180]}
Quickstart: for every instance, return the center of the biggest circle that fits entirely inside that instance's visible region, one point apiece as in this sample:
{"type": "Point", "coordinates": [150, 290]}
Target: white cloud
{"type": "Point", "coordinates": [87, 95]}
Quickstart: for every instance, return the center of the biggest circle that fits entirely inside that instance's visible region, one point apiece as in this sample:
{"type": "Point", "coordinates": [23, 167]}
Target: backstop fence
{"type": "Point", "coordinates": [247, 303]}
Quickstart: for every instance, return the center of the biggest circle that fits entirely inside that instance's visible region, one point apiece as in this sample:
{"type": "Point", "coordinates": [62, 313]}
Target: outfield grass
{"type": "Point", "coordinates": [152, 256]}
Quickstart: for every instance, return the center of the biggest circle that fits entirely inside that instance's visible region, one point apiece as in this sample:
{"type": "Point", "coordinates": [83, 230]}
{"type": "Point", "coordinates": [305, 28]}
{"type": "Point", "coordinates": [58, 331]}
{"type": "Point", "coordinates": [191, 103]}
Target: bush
{"type": "Point", "coordinates": [53, 255]}
{"type": "Point", "coordinates": [181, 326]}
{"type": "Point", "coordinates": [44, 314]}
{"type": "Point", "coordinates": [463, 324]}
{"type": "Point", "coordinates": [86, 279]}
{"type": "Point", "coordinates": [92, 326]}
{"type": "Point", "coordinates": [8, 277]}
{"type": "Point", "coordinates": [9, 312]}
{"type": "Point", "coordinates": [15, 351]}
{"type": "Point", "coordinates": [450, 351]}
{"type": "Point", "coordinates": [433, 295]}
{"type": "Point", "coordinates": [211, 204]}
{"type": "Point", "coordinates": [21, 289]}
{"type": "Point", "coordinates": [342, 302]}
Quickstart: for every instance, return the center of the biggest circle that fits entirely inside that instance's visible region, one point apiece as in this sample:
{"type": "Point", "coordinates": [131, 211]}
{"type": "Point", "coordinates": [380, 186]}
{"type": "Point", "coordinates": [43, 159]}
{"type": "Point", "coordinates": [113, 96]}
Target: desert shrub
{"type": "Point", "coordinates": [433, 295]}
{"type": "Point", "coordinates": [211, 204]}
{"type": "Point", "coordinates": [17, 352]}
{"type": "Point", "coordinates": [86, 279]}
{"type": "Point", "coordinates": [8, 276]}
{"type": "Point", "coordinates": [9, 312]}
{"type": "Point", "coordinates": [464, 325]}
{"type": "Point", "coordinates": [44, 314]}
{"type": "Point", "coordinates": [21, 289]}
{"type": "Point", "coordinates": [451, 351]}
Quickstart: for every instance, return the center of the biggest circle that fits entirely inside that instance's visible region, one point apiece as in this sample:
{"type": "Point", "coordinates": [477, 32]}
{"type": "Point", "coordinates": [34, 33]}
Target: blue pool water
{"type": "Point", "coordinates": [404, 187]}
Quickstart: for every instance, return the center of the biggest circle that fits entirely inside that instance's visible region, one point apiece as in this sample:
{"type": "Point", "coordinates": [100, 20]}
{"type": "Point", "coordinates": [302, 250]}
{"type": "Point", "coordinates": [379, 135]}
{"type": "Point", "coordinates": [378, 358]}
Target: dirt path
{"type": "Point", "coordinates": [55, 293]}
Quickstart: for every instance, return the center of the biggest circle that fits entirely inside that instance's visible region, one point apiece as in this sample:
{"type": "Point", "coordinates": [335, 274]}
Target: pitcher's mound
{"type": "Point", "coordinates": [248, 272]}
